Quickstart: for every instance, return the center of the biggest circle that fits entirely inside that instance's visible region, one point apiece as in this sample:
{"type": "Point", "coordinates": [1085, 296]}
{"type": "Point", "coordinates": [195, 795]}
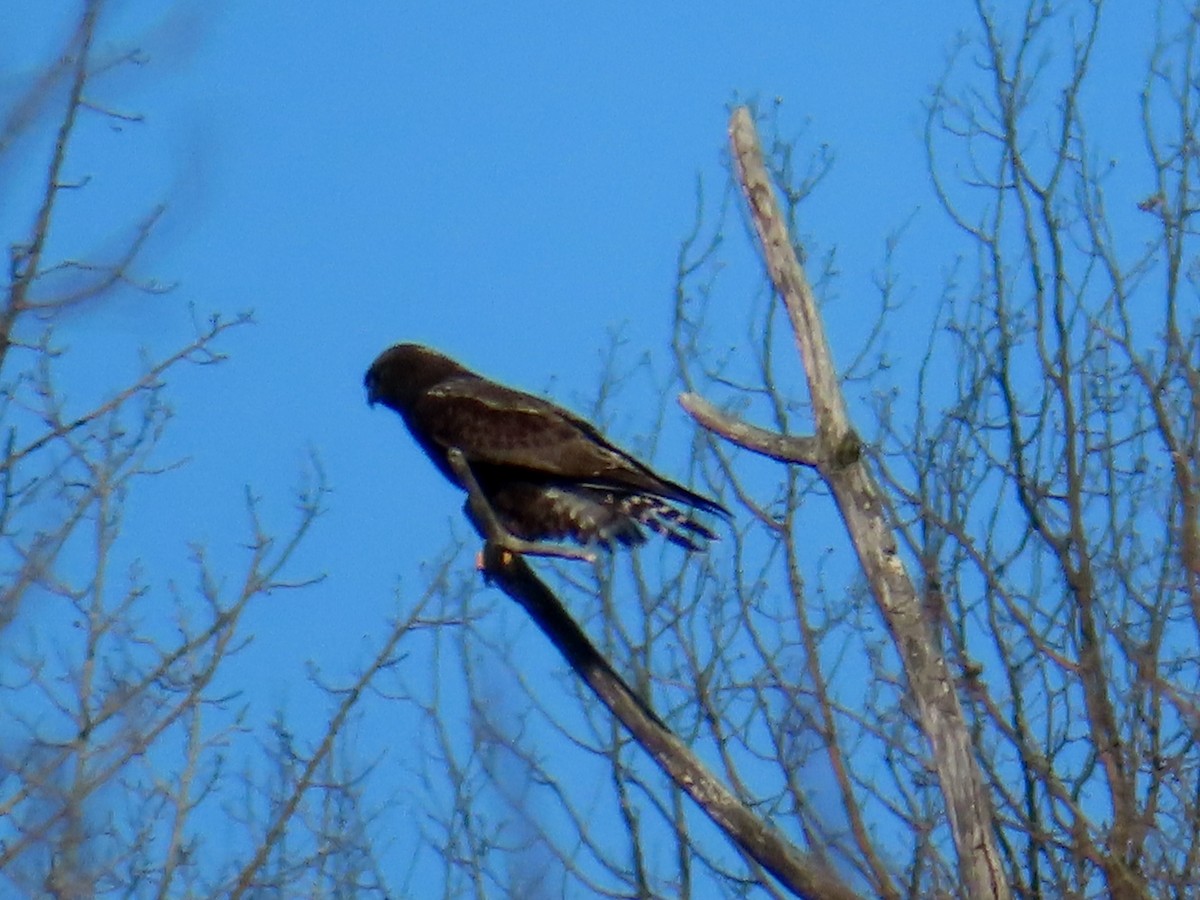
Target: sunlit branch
{"type": "Point", "coordinates": [782, 447]}
{"type": "Point", "coordinates": [742, 825]}
{"type": "Point", "coordinates": [862, 506]}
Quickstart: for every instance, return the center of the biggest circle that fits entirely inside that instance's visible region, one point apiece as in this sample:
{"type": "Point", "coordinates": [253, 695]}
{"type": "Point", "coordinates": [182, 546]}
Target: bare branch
{"type": "Point", "coordinates": [781, 447]}
{"type": "Point", "coordinates": [748, 830]}
{"type": "Point", "coordinates": [864, 511]}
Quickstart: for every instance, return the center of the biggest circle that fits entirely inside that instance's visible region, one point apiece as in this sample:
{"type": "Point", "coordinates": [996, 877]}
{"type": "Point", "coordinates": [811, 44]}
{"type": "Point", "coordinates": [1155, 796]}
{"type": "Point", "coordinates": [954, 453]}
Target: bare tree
{"type": "Point", "coordinates": [1053, 502]}
{"type": "Point", "coordinates": [948, 650]}
{"type": "Point", "coordinates": [988, 686]}
{"type": "Point", "coordinates": [122, 740]}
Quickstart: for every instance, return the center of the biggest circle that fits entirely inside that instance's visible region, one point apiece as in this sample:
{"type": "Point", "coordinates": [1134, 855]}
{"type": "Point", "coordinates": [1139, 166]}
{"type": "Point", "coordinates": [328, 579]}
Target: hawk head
{"type": "Point", "coordinates": [402, 373]}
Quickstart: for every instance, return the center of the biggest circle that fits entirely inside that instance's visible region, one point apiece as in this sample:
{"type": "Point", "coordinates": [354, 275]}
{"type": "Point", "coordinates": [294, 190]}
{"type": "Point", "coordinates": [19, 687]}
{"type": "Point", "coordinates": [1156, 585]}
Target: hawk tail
{"type": "Point", "coordinates": [660, 516]}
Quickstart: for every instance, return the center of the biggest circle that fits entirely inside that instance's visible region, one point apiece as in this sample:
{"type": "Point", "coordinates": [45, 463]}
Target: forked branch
{"type": "Point", "coordinates": [836, 453]}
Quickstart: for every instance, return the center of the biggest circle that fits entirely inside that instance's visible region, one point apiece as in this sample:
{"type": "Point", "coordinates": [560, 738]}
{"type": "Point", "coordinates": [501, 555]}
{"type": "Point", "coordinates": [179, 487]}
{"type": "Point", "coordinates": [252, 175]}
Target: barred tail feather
{"type": "Point", "coordinates": [661, 517]}
{"type": "Point", "coordinates": [586, 514]}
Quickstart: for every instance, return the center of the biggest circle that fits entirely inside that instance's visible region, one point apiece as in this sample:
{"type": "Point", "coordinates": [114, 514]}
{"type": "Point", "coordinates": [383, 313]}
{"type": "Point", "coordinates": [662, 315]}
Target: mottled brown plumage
{"type": "Point", "coordinates": [546, 473]}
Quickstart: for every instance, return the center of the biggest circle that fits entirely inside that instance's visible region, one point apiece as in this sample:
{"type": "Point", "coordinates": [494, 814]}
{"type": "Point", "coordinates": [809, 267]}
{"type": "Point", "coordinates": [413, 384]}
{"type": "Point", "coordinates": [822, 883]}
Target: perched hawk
{"type": "Point", "coordinates": [546, 473]}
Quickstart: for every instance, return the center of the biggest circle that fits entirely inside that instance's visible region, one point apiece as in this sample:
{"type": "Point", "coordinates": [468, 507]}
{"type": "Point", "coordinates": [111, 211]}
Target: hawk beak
{"type": "Point", "coordinates": [371, 383]}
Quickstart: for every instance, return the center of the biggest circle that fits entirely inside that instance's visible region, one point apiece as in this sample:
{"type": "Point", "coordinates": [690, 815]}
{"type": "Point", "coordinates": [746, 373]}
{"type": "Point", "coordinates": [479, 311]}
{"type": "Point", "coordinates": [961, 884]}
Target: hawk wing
{"type": "Point", "coordinates": [497, 427]}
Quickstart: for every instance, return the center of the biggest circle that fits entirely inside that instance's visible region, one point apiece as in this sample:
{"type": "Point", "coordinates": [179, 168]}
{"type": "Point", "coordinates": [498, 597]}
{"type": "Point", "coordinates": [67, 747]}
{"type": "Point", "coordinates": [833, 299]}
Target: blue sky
{"type": "Point", "coordinates": [507, 186]}
{"type": "Point", "coordinates": [507, 182]}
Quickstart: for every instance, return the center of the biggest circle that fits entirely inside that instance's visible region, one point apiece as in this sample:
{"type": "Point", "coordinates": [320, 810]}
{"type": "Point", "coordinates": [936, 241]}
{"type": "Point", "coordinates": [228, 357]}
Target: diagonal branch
{"type": "Point", "coordinates": [196, 350]}
{"type": "Point", "coordinates": [753, 836]}
{"type": "Point", "coordinates": [309, 777]}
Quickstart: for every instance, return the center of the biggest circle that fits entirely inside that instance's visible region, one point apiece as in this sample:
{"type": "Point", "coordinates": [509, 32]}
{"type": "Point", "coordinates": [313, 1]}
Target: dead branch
{"type": "Point", "coordinates": [863, 509]}
{"type": "Point", "coordinates": [746, 829]}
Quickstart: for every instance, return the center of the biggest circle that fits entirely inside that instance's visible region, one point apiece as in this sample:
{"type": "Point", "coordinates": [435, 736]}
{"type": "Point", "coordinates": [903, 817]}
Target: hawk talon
{"type": "Point", "coordinates": [511, 546]}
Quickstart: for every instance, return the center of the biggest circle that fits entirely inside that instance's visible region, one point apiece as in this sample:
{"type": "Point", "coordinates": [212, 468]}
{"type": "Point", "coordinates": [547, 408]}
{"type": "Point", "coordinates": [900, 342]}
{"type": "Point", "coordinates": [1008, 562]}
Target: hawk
{"type": "Point", "coordinates": [545, 473]}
